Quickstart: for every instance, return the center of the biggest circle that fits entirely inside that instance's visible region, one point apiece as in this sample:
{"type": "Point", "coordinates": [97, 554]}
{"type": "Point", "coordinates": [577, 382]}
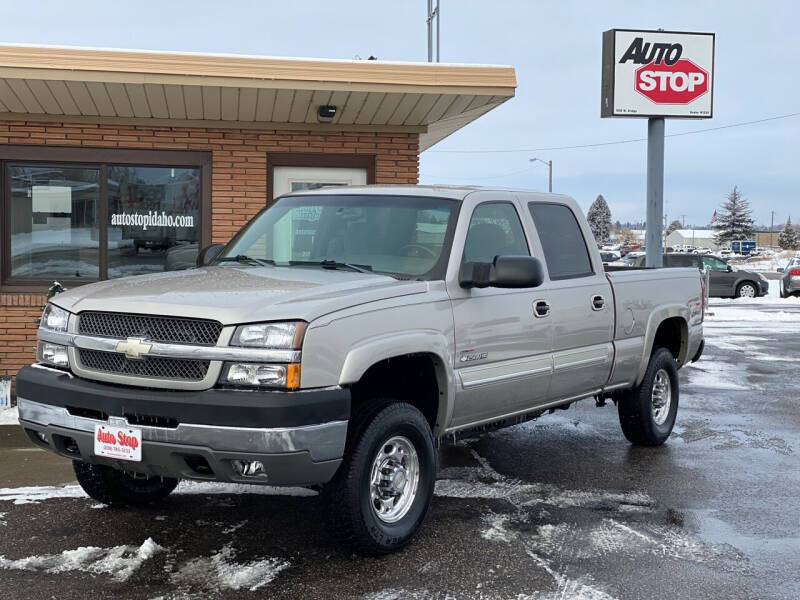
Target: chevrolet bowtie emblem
{"type": "Point", "coordinates": [134, 348]}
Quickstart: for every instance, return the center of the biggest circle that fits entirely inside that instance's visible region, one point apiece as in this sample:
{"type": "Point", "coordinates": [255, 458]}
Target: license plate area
{"type": "Point", "coordinates": [123, 443]}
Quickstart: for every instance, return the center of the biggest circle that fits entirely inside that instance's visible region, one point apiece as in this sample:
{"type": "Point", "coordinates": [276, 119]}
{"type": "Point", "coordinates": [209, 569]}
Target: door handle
{"type": "Point", "coordinates": [541, 309]}
{"type": "Point", "coordinates": [598, 302]}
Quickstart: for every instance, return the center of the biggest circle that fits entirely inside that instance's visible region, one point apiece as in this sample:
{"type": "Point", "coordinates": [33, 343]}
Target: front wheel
{"type": "Point", "coordinates": [381, 493]}
{"type": "Point", "coordinates": [647, 412]}
{"type": "Point", "coordinates": [118, 488]}
{"type": "Point", "coordinates": [746, 290]}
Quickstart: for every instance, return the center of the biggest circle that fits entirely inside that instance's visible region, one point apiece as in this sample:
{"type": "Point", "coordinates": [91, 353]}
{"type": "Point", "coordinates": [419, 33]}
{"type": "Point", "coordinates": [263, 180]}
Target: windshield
{"type": "Point", "coordinates": [402, 236]}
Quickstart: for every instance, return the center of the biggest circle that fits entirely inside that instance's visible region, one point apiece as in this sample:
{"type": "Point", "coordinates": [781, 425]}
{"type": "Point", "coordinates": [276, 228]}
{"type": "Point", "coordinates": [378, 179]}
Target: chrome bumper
{"type": "Point", "coordinates": [323, 442]}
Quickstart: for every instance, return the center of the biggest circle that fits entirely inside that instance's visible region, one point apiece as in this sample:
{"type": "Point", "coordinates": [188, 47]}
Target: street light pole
{"type": "Point", "coordinates": [549, 164]}
{"type": "Point", "coordinates": [771, 230]}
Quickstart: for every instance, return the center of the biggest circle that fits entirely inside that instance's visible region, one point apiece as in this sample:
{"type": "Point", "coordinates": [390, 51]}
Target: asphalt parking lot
{"type": "Point", "coordinates": [561, 508]}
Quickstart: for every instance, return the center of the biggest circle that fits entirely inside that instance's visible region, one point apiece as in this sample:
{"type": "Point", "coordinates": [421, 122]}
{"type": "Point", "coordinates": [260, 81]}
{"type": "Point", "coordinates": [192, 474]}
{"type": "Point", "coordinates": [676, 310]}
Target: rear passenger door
{"type": "Point", "coordinates": [582, 306]}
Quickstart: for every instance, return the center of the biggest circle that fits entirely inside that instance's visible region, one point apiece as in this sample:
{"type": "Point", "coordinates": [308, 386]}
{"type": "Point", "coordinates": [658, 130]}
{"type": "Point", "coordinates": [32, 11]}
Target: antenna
{"type": "Point", "coordinates": [433, 13]}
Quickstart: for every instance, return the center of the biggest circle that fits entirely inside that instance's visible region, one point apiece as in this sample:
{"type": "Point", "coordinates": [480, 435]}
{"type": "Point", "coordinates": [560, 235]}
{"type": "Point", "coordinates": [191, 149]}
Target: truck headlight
{"type": "Point", "coordinates": [287, 335]}
{"type": "Point", "coordinates": [54, 318]}
{"type": "Point", "coordinates": [267, 375]}
{"type": "Point", "coordinates": [52, 354]}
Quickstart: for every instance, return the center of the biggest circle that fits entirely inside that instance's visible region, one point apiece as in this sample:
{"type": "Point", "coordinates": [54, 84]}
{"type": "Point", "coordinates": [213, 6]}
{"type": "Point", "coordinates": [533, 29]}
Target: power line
{"type": "Point", "coordinates": [617, 142]}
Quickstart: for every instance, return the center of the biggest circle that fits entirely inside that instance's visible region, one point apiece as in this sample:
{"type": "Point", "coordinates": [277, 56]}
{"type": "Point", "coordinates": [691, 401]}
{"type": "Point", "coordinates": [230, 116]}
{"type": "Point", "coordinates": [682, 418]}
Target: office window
{"type": "Point", "coordinates": [78, 220]}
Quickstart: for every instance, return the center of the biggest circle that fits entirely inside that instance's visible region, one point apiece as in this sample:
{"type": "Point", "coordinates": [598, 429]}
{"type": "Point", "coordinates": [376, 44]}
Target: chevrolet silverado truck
{"type": "Point", "coordinates": [340, 336]}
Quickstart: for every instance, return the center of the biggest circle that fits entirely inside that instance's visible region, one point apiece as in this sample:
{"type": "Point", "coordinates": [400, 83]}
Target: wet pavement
{"type": "Point", "coordinates": [562, 507]}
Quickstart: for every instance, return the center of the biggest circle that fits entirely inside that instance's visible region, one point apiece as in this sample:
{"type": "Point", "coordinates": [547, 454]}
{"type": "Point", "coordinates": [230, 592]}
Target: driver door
{"type": "Point", "coordinates": [721, 281]}
{"type": "Point", "coordinates": [503, 360]}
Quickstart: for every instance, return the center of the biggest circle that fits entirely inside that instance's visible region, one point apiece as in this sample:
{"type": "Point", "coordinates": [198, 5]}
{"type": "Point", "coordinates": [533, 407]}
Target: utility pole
{"type": "Point", "coordinates": [433, 13]}
{"type": "Point", "coordinates": [549, 164]}
{"type": "Point", "coordinates": [683, 217]}
{"type": "Point", "coordinates": [655, 191]}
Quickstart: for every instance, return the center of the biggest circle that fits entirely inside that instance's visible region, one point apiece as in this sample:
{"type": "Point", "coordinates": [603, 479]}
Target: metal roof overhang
{"type": "Point", "coordinates": [185, 89]}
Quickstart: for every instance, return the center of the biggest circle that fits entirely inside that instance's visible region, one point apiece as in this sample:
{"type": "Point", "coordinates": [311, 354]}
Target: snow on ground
{"type": "Point", "coordinates": [9, 416]}
{"type": "Point", "coordinates": [767, 263]}
{"type": "Point", "coordinates": [221, 572]}
{"type": "Point", "coordinates": [119, 561]}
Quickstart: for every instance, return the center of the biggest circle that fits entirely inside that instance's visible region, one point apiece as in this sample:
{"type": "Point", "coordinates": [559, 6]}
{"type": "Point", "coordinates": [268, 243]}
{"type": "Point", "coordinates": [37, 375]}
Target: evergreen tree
{"type": "Point", "coordinates": [599, 217]}
{"type": "Point", "coordinates": [674, 226]}
{"type": "Point", "coordinates": [734, 221]}
{"type": "Point", "coordinates": [788, 238]}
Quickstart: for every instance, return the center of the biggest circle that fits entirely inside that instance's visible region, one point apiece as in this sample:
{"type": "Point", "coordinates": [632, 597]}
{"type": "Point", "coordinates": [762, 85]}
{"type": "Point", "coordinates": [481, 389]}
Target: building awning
{"type": "Point", "coordinates": [214, 90]}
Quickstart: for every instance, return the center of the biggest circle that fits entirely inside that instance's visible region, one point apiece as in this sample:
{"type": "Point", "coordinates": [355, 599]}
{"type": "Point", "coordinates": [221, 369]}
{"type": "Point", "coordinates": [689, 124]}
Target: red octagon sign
{"type": "Point", "coordinates": [679, 83]}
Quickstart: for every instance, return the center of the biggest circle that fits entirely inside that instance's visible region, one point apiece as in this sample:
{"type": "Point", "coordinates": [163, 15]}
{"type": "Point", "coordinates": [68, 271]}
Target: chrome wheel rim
{"type": "Point", "coordinates": [747, 291]}
{"type": "Point", "coordinates": [661, 397]}
{"type": "Point", "coordinates": [394, 479]}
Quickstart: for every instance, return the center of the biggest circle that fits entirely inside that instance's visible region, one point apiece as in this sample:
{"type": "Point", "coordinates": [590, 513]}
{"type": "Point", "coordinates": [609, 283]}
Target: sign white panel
{"type": "Point", "coordinates": [657, 74]}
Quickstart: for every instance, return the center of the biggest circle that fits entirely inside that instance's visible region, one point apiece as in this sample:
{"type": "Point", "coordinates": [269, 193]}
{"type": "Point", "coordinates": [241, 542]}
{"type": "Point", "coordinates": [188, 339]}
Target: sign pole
{"type": "Point", "coordinates": [655, 191]}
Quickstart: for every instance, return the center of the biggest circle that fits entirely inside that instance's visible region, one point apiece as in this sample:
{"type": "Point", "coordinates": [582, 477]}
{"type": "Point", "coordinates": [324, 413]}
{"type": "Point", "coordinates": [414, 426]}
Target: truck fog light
{"type": "Point", "coordinates": [249, 468]}
{"type": "Point", "coordinates": [53, 354]}
{"type": "Point", "coordinates": [284, 376]}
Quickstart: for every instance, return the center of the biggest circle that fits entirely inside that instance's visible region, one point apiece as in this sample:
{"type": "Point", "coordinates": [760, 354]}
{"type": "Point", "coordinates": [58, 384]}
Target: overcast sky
{"type": "Point", "coordinates": [555, 48]}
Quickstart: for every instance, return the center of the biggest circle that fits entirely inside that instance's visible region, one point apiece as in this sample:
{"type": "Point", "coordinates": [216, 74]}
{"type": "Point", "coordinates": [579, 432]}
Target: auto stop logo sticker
{"type": "Point", "coordinates": [122, 443]}
{"type": "Point", "coordinates": [658, 73]}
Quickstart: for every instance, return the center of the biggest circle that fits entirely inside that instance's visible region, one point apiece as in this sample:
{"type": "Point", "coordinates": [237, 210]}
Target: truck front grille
{"type": "Point", "coordinates": [155, 367]}
{"type": "Point", "coordinates": [171, 330]}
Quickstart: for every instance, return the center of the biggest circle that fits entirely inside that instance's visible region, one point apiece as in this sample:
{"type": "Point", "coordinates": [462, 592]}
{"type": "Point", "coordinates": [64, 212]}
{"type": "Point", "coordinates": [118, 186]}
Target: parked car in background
{"type": "Point", "coordinates": [790, 280]}
{"type": "Point", "coordinates": [724, 280]}
{"type": "Point", "coordinates": [609, 257]}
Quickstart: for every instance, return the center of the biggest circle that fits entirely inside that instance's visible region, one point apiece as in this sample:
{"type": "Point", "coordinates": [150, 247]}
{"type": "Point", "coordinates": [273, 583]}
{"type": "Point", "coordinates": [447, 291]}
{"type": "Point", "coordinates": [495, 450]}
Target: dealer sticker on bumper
{"type": "Point", "coordinates": [118, 442]}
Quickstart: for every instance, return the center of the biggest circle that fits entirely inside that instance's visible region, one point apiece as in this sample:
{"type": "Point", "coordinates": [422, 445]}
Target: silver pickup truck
{"type": "Point", "coordinates": [344, 332]}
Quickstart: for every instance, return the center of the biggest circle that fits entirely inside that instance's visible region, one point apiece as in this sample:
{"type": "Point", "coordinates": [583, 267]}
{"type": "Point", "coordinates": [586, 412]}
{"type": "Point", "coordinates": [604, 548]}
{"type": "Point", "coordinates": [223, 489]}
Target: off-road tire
{"type": "Point", "coordinates": [635, 407]}
{"type": "Point", "coordinates": [117, 488]}
{"type": "Point", "coordinates": [346, 501]}
{"type": "Point", "coordinates": [746, 284]}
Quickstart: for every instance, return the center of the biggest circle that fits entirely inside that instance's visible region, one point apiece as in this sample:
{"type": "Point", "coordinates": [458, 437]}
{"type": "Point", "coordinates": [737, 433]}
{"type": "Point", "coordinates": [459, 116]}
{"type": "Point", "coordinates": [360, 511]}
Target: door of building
{"type": "Point", "coordinates": [294, 179]}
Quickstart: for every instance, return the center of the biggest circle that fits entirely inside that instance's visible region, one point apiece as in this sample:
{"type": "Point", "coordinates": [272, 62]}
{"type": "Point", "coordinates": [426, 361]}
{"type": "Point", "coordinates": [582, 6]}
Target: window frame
{"type": "Point", "coordinates": [516, 212]}
{"type": "Point", "coordinates": [92, 158]}
{"type": "Point", "coordinates": [550, 276]}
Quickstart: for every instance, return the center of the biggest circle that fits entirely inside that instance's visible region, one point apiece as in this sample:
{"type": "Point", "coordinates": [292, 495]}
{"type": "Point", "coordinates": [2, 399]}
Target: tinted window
{"type": "Point", "coordinates": [494, 230]}
{"type": "Point", "coordinates": [562, 240]}
{"type": "Point", "coordinates": [682, 260]}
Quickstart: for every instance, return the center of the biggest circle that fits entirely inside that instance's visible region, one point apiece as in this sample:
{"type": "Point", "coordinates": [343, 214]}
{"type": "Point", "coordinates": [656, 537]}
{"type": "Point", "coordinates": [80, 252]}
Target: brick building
{"type": "Point", "coordinates": [116, 163]}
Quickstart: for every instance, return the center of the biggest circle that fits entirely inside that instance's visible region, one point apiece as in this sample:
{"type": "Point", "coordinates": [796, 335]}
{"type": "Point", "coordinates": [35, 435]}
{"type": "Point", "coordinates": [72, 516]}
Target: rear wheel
{"type": "Point", "coordinates": [647, 412]}
{"type": "Point", "coordinates": [746, 290]}
{"type": "Point", "coordinates": [381, 493]}
{"type": "Point", "coordinates": [118, 488]}
{"type": "Point", "coordinates": [782, 291]}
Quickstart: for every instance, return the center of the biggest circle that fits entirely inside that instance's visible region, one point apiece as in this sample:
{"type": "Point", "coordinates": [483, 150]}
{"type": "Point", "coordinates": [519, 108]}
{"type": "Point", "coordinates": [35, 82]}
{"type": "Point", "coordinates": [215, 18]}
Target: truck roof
{"type": "Point", "coordinates": [454, 192]}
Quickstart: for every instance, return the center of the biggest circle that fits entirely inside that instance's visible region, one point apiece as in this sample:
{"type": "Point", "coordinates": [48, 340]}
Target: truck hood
{"type": "Point", "coordinates": [238, 294]}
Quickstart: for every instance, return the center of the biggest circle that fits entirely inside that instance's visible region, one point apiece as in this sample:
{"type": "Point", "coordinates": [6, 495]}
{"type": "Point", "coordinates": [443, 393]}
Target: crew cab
{"type": "Point", "coordinates": [342, 333]}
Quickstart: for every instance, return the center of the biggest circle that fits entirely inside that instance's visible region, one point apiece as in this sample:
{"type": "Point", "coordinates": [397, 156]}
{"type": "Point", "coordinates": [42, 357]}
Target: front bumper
{"type": "Point", "coordinates": [764, 285]}
{"type": "Point", "coordinates": [299, 437]}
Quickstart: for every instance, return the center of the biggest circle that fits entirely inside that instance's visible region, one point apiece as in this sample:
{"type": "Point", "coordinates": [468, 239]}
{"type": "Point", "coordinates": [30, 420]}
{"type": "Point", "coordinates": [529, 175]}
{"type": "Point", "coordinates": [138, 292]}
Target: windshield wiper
{"type": "Point", "coordinates": [333, 264]}
{"type": "Point", "coordinates": [241, 258]}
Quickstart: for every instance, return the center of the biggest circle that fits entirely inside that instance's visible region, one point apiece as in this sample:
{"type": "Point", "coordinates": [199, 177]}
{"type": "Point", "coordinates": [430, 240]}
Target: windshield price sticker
{"type": "Point", "coordinates": [123, 443]}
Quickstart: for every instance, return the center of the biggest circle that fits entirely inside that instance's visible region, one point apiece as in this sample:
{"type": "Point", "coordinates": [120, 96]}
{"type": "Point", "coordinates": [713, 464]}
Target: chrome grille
{"type": "Point", "coordinates": [155, 367]}
{"type": "Point", "coordinates": [175, 330]}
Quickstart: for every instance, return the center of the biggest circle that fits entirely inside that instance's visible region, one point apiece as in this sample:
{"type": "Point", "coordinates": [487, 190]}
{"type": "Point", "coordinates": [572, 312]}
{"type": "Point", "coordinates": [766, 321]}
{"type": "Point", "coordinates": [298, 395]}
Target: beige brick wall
{"type": "Point", "coordinates": [238, 182]}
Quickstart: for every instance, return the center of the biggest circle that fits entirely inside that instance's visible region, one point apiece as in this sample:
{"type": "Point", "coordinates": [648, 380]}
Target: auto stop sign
{"type": "Point", "coordinates": [657, 74]}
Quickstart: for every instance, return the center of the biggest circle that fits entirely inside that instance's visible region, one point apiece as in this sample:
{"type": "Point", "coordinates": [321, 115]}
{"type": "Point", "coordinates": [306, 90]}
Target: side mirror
{"type": "Point", "coordinates": [729, 268]}
{"type": "Point", "coordinates": [779, 269]}
{"type": "Point", "coordinates": [209, 254]}
{"type": "Point", "coordinates": [502, 272]}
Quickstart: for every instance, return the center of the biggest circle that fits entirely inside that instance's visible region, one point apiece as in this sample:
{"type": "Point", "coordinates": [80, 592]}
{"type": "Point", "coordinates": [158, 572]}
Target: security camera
{"type": "Point", "coordinates": [326, 113]}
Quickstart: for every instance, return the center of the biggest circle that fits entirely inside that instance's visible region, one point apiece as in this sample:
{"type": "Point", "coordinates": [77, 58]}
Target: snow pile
{"type": "Point", "coordinates": [9, 416]}
{"type": "Point", "coordinates": [32, 495]}
{"type": "Point", "coordinates": [120, 561]}
{"type": "Point", "coordinates": [220, 572]}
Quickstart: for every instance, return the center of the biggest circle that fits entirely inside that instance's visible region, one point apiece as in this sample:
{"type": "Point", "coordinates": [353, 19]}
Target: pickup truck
{"type": "Point", "coordinates": [340, 336]}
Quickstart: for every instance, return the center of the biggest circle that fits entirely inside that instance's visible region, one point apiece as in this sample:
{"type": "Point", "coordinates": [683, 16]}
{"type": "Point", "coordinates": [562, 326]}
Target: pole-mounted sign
{"type": "Point", "coordinates": [657, 75]}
